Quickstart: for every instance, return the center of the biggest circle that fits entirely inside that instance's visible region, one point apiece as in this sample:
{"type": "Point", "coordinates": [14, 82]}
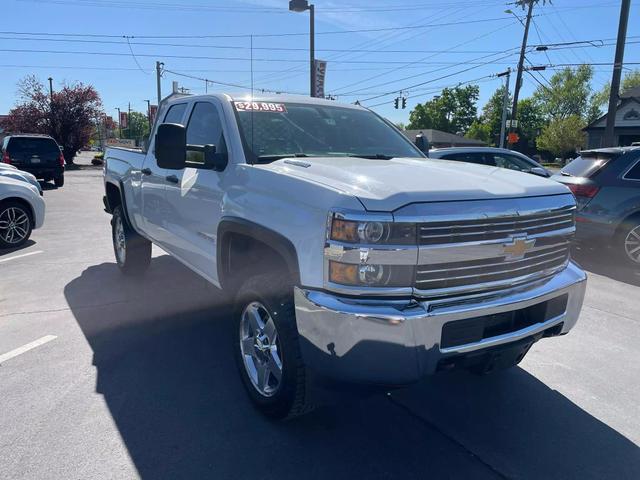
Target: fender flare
{"type": "Point", "coordinates": [123, 201]}
{"type": "Point", "coordinates": [274, 240]}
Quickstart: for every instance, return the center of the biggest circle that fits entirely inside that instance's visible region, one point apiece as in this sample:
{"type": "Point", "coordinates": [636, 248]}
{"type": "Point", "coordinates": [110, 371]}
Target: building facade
{"type": "Point", "coordinates": [627, 123]}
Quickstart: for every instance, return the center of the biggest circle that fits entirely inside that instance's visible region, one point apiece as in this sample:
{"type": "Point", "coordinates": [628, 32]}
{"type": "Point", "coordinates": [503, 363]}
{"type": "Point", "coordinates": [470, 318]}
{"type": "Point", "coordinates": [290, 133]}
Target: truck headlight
{"type": "Point", "coordinates": [369, 275]}
{"type": "Point", "coordinates": [372, 232]}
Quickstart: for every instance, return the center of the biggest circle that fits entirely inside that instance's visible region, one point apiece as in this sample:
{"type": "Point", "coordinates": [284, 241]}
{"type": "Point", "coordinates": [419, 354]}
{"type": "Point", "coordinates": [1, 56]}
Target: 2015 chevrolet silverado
{"type": "Point", "coordinates": [350, 255]}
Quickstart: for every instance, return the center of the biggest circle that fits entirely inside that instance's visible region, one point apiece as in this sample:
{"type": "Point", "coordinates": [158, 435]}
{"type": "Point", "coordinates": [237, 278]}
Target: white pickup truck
{"type": "Point", "coordinates": [350, 255]}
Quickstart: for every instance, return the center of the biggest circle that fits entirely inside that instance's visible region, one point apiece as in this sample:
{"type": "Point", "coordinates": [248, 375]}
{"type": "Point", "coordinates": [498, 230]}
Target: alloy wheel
{"type": "Point", "coordinates": [119, 240]}
{"type": "Point", "coordinates": [260, 349]}
{"type": "Point", "coordinates": [632, 244]}
{"type": "Point", "coordinates": [14, 225]}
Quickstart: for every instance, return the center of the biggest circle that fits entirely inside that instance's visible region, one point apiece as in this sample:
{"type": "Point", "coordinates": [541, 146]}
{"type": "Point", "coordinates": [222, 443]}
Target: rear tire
{"type": "Point", "coordinates": [629, 242]}
{"type": "Point", "coordinates": [269, 343]}
{"type": "Point", "coordinates": [132, 251]}
{"type": "Point", "coordinates": [15, 224]}
{"type": "Point", "coordinates": [59, 181]}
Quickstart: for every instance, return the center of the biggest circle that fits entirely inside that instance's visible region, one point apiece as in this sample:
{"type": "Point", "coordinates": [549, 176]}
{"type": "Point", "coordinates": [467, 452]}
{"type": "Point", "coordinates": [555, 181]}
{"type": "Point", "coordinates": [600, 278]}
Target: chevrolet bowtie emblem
{"type": "Point", "coordinates": [518, 247]}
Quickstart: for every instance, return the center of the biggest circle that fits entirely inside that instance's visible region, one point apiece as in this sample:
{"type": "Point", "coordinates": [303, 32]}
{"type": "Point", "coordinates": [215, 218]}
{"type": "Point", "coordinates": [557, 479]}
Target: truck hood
{"type": "Point", "coordinates": [386, 185]}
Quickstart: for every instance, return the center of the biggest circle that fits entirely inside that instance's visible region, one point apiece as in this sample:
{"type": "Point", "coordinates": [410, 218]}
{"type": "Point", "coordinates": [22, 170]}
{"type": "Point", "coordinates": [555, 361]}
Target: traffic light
{"type": "Point", "coordinates": [404, 102]}
{"type": "Point", "coordinates": [396, 103]}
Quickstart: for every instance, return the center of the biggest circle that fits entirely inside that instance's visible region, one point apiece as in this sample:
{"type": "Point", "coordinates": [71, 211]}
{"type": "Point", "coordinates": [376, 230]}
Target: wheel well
{"type": "Point", "coordinates": [22, 202]}
{"type": "Point", "coordinates": [113, 196]}
{"type": "Point", "coordinates": [625, 221]}
{"type": "Point", "coordinates": [243, 255]}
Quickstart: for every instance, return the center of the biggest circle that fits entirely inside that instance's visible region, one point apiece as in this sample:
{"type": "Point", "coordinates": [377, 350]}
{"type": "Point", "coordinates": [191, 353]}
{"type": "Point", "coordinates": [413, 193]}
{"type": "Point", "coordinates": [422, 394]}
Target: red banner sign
{"type": "Point", "coordinates": [124, 120]}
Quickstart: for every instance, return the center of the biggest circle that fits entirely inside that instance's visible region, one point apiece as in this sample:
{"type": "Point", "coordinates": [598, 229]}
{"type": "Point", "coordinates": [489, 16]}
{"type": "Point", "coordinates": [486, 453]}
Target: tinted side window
{"type": "Point", "coordinates": [511, 162]}
{"type": "Point", "coordinates": [175, 113]}
{"type": "Point", "coordinates": [634, 173]}
{"type": "Point", "coordinates": [204, 128]}
{"type": "Point", "coordinates": [466, 157]}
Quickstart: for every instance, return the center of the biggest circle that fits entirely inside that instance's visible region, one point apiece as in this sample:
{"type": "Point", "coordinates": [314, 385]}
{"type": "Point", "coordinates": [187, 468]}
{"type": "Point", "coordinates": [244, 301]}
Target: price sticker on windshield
{"type": "Point", "coordinates": [260, 107]}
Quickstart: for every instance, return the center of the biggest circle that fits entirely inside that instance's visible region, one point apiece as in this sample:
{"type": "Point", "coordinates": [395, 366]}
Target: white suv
{"type": "Point", "coordinates": [21, 210]}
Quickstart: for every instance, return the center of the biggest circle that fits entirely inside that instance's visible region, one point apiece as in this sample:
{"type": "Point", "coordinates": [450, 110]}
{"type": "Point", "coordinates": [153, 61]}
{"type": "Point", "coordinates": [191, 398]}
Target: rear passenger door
{"type": "Point", "coordinates": [196, 192]}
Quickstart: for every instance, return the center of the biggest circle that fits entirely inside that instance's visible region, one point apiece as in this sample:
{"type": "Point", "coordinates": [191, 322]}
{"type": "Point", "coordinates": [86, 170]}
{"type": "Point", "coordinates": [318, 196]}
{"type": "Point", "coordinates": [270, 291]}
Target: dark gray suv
{"type": "Point", "coordinates": [606, 184]}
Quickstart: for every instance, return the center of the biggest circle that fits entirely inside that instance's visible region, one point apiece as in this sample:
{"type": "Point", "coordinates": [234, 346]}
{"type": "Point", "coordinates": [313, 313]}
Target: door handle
{"type": "Point", "coordinates": [146, 171]}
{"type": "Point", "coordinates": [171, 178]}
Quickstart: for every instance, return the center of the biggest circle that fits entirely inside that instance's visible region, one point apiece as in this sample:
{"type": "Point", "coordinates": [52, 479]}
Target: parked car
{"type": "Point", "coordinates": [12, 172]}
{"type": "Point", "coordinates": [350, 256]}
{"type": "Point", "coordinates": [493, 157]}
{"type": "Point", "coordinates": [21, 210]}
{"type": "Point", "coordinates": [606, 184]}
{"type": "Point", "coordinates": [39, 155]}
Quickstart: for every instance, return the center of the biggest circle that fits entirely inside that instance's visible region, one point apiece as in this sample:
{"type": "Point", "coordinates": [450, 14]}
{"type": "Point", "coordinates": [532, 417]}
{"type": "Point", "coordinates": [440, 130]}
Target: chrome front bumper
{"type": "Point", "coordinates": [395, 342]}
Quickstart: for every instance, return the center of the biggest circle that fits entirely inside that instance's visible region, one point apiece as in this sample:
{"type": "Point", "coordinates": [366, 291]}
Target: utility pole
{"type": "Point", "coordinates": [149, 111]}
{"type": "Point", "coordinates": [505, 105]}
{"type": "Point", "coordinates": [129, 121]}
{"type": "Point", "coordinates": [50, 89]}
{"type": "Point", "coordinates": [516, 91]}
{"type": "Point", "coordinates": [159, 66]}
{"type": "Point", "coordinates": [617, 71]}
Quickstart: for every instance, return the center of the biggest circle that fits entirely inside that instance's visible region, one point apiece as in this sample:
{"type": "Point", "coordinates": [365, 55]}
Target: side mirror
{"type": "Point", "coordinates": [541, 172]}
{"type": "Point", "coordinates": [422, 143]}
{"type": "Point", "coordinates": [171, 146]}
{"type": "Point", "coordinates": [212, 159]}
{"type": "Point", "coordinates": [61, 148]}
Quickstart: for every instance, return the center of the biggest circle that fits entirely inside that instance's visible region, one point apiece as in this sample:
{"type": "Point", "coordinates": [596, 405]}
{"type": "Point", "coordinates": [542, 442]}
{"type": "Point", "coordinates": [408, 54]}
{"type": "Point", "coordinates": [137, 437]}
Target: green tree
{"type": "Point", "coordinates": [453, 111]}
{"type": "Point", "coordinates": [562, 136]}
{"type": "Point", "coordinates": [138, 125]}
{"type": "Point", "coordinates": [601, 98]}
{"type": "Point", "coordinates": [567, 94]}
{"type": "Point", "coordinates": [531, 121]}
{"type": "Point", "coordinates": [480, 131]}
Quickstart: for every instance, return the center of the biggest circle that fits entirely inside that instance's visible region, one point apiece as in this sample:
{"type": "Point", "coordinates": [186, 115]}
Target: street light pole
{"type": "Point", "coordinates": [119, 124]}
{"type": "Point", "coordinates": [302, 6]}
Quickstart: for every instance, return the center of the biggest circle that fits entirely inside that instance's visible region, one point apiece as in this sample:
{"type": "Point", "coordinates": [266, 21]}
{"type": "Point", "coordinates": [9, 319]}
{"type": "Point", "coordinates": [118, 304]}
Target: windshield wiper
{"type": "Point", "coordinates": [273, 158]}
{"type": "Point", "coordinates": [375, 156]}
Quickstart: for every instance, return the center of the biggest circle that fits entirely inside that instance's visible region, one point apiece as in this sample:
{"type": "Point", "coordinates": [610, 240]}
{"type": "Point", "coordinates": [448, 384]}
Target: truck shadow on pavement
{"type": "Point", "coordinates": [162, 348]}
{"type": "Point", "coordinates": [604, 262]}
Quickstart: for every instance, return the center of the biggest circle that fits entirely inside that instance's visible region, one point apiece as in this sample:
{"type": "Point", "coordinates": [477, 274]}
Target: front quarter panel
{"type": "Point", "coordinates": [296, 209]}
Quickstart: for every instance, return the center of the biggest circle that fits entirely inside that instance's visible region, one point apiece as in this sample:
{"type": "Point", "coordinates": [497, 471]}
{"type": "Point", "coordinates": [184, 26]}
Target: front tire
{"type": "Point", "coordinates": [133, 252]}
{"type": "Point", "coordinates": [15, 225]}
{"type": "Point", "coordinates": [266, 347]}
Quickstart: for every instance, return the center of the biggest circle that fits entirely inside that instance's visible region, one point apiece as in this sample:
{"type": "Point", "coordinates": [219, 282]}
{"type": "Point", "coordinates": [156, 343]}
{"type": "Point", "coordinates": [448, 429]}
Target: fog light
{"type": "Point", "coordinates": [371, 274]}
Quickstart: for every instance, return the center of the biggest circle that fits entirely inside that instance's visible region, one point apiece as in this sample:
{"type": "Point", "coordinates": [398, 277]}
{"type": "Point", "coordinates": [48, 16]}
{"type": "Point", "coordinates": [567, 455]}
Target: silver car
{"type": "Point", "coordinates": [12, 172]}
{"type": "Point", "coordinates": [494, 157]}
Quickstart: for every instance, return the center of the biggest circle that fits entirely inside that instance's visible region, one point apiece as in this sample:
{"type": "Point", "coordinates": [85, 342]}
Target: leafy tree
{"type": "Point", "coordinates": [480, 131]}
{"type": "Point", "coordinates": [453, 111]}
{"type": "Point", "coordinates": [401, 125]}
{"type": "Point", "coordinates": [531, 121]}
{"type": "Point", "coordinates": [138, 125]}
{"type": "Point", "coordinates": [563, 136]}
{"type": "Point", "coordinates": [68, 116]}
{"type": "Point", "coordinates": [601, 98]}
{"type": "Point", "coordinates": [567, 94]}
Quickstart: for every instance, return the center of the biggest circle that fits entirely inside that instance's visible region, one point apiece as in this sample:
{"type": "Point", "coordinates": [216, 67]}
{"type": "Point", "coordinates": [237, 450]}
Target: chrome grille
{"type": "Point", "coordinates": [438, 233]}
{"type": "Point", "coordinates": [466, 256]}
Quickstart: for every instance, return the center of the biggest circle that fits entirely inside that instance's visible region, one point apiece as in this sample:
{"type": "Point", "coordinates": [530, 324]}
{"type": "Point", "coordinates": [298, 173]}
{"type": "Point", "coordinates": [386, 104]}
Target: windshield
{"type": "Point", "coordinates": [276, 130]}
{"type": "Point", "coordinates": [33, 146]}
{"type": "Point", "coordinates": [585, 166]}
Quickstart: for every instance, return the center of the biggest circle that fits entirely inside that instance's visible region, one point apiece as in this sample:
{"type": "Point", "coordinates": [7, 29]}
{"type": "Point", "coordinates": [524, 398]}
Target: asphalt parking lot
{"type": "Point", "coordinates": [135, 379]}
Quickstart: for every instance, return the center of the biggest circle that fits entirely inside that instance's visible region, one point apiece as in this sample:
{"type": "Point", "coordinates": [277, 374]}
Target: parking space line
{"type": "Point", "coordinates": [20, 256]}
{"type": "Point", "coordinates": [25, 348]}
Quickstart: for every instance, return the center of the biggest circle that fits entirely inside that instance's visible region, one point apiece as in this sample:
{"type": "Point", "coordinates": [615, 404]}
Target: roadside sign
{"type": "Point", "coordinates": [513, 137]}
{"type": "Point", "coordinates": [153, 111]}
{"type": "Point", "coordinates": [124, 120]}
{"type": "Point", "coordinates": [512, 123]}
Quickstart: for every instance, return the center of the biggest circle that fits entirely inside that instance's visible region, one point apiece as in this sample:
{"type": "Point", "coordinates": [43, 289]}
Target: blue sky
{"type": "Point", "coordinates": [418, 47]}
